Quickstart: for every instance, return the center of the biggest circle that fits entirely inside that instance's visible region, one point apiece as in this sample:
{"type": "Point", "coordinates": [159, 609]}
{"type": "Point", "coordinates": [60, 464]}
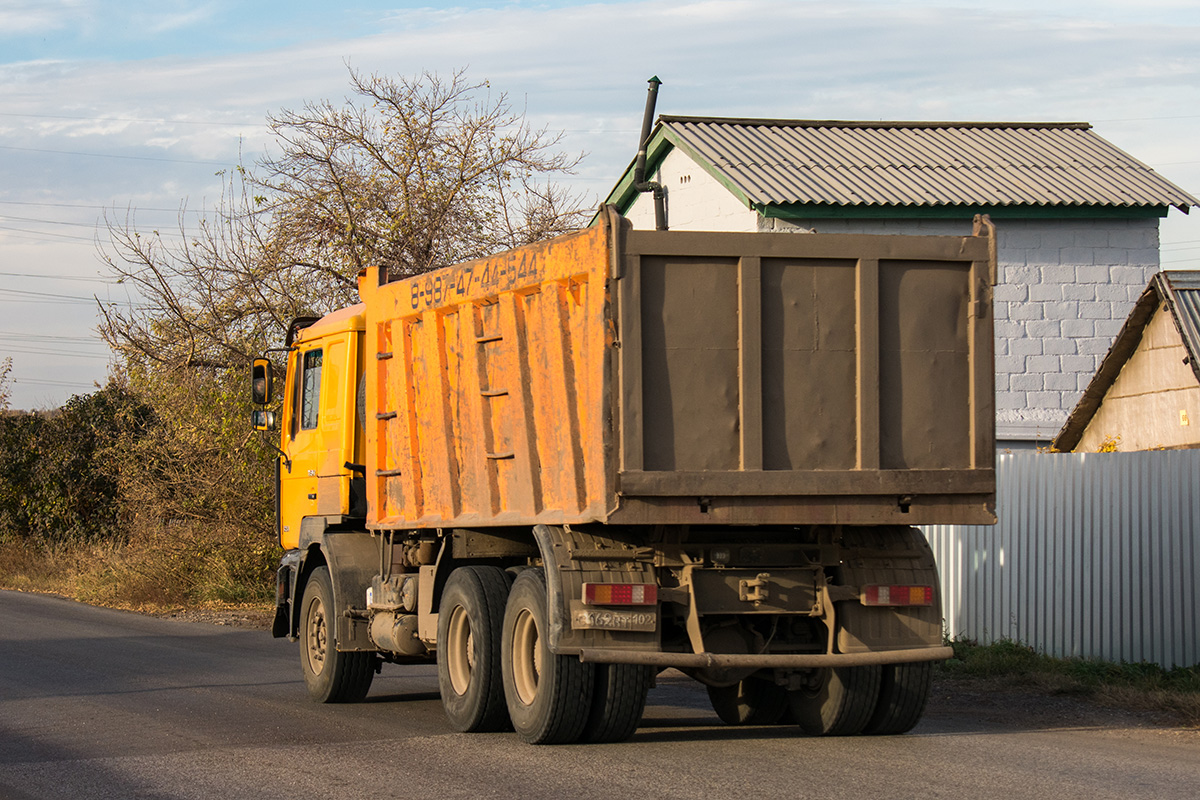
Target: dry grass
{"type": "Point", "coordinates": [160, 568]}
{"type": "Point", "coordinates": [39, 566]}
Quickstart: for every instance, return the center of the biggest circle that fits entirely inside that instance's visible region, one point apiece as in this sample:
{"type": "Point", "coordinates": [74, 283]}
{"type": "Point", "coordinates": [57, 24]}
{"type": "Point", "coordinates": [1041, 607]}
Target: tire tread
{"type": "Point", "coordinates": [560, 717]}
{"type": "Point", "coordinates": [903, 694]}
{"type": "Point", "coordinates": [488, 587]}
{"type": "Point", "coordinates": [618, 700]}
{"type": "Point", "coordinates": [350, 673]}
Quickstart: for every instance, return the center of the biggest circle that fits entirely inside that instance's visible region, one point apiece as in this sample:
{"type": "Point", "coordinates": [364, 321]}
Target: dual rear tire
{"type": "Point", "coordinates": [469, 619]}
{"type": "Point", "coordinates": [558, 699]}
{"type": "Point", "coordinates": [880, 701]}
{"type": "Point", "coordinates": [495, 668]}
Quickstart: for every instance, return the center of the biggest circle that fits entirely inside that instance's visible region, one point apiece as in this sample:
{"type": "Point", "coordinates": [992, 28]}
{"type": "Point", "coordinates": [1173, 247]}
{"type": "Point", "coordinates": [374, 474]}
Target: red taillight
{"type": "Point", "coordinates": [620, 594]}
{"type": "Point", "coordinates": [897, 595]}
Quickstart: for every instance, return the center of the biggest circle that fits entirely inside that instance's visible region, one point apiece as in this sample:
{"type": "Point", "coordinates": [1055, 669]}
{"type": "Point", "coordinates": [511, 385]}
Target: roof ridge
{"type": "Point", "coordinates": [833, 123]}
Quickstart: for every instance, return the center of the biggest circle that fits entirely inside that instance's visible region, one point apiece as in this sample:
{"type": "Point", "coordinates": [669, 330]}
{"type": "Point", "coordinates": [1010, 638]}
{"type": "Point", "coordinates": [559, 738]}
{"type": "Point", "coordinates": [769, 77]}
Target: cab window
{"type": "Point", "coordinates": [310, 390]}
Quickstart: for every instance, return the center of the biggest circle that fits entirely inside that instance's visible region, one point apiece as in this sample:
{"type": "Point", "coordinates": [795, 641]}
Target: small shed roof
{"type": "Point", "coordinates": [1179, 291]}
{"type": "Point", "coordinates": [779, 167]}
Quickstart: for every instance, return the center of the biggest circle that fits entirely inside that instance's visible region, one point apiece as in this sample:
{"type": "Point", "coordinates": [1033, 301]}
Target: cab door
{"type": "Point", "coordinates": [303, 441]}
{"type": "Point", "coordinates": [320, 436]}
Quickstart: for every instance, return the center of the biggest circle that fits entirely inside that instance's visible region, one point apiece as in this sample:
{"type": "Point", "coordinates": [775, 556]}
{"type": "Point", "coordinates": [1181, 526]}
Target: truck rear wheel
{"type": "Point", "coordinates": [331, 676]}
{"type": "Point", "coordinates": [469, 619]}
{"type": "Point", "coordinates": [618, 700]}
{"type": "Point", "coordinates": [903, 693]}
{"type": "Point", "coordinates": [750, 701]}
{"type": "Point", "coordinates": [549, 697]}
{"type": "Point", "coordinates": [839, 701]}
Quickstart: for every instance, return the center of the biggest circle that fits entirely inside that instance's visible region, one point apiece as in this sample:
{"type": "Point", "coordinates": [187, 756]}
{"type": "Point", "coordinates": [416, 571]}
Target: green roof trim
{"type": "Point", "coordinates": [623, 194]}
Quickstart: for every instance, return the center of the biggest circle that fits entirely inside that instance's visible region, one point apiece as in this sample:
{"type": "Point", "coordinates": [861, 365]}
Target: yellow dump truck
{"type": "Point", "coordinates": [562, 469]}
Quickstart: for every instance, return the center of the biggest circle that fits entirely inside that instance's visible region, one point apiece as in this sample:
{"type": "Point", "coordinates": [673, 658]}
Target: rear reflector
{"type": "Point", "coordinates": [897, 595]}
{"type": "Point", "coordinates": [620, 594]}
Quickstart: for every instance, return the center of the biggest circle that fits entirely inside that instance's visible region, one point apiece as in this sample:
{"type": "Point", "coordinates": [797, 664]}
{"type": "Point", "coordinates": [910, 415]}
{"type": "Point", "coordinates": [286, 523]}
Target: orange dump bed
{"type": "Point", "coordinates": [647, 377]}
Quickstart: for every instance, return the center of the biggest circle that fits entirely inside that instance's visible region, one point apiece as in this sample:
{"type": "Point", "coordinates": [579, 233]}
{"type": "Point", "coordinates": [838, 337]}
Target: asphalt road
{"type": "Point", "coordinates": [96, 703]}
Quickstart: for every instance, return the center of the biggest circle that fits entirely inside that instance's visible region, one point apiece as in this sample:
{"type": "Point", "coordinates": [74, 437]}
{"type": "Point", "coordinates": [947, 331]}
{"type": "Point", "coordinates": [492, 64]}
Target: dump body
{"type": "Point", "coordinates": [671, 378]}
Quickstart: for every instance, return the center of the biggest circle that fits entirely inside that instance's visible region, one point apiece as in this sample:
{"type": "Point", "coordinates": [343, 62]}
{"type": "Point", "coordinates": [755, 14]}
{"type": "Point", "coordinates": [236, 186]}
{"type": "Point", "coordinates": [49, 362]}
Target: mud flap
{"type": "Point", "coordinates": [888, 556]}
{"type": "Point", "coordinates": [573, 557]}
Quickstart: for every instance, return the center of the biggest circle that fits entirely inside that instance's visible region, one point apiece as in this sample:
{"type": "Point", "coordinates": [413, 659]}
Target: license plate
{"type": "Point", "coordinates": [606, 619]}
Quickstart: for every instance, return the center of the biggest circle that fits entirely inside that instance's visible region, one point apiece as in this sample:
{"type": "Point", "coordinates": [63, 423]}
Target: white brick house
{"type": "Point", "coordinates": [1077, 221]}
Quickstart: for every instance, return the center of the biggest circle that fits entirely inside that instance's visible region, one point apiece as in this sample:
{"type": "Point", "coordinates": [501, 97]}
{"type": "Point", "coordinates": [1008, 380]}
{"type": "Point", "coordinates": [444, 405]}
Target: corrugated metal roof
{"type": "Point", "coordinates": [1179, 292]}
{"type": "Point", "coordinates": [785, 162]}
{"type": "Point", "coordinates": [1182, 293]}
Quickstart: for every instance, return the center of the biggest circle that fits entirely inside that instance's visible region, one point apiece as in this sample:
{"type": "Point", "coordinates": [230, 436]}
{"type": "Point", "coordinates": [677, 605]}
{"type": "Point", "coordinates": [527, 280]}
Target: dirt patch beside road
{"type": "Point", "coordinates": [259, 617]}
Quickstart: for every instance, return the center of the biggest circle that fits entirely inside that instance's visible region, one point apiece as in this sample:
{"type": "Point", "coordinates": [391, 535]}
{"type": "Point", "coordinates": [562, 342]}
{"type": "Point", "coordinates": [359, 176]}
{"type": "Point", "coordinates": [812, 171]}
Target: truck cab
{"type": "Point", "coordinates": [321, 442]}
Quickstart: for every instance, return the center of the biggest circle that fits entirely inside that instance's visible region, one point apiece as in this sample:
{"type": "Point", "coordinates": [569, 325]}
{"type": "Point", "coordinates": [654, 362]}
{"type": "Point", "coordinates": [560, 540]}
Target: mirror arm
{"type": "Point", "coordinates": [287, 462]}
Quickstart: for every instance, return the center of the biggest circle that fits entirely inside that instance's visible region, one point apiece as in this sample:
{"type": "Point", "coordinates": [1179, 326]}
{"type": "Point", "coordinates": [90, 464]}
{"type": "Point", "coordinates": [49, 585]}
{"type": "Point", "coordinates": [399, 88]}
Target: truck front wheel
{"type": "Point", "coordinates": [549, 696]}
{"type": "Point", "coordinates": [331, 676]}
{"type": "Point", "coordinates": [469, 618]}
{"type": "Point", "coordinates": [838, 701]}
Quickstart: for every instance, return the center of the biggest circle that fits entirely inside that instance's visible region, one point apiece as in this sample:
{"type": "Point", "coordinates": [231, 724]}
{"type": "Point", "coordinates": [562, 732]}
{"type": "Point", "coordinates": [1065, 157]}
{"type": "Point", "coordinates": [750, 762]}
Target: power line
{"type": "Point", "coordinates": [68, 384]}
{"type": "Point", "coordinates": [46, 233]}
{"type": "Point", "coordinates": [107, 281]}
{"type": "Point", "coordinates": [47, 294]}
{"type": "Point", "coordinates": [129, 119]}
{"type": "Point", "coordinates": [112, 155]}
{"type": "Point", "coordinates": [48, 221]}
{"type": "Point", "coordinates": [56, 353]}
{"type": "Point", "coordinates": [92, 225]}
{"type": "Point", "coordinates": [71, 298]}
{"type": "Point", "coordinates": [99, 208]}
{"type": "Point", "coordinates": [38, 342]}
{"type": "Point", "coordinates": [43, 336]}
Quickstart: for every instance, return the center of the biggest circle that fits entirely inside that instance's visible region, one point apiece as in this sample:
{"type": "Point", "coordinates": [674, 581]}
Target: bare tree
{"type": "Point", "coordinates": [431, 172]}
{"type": "Point", "coordinates": [411, 174]}
{"type": "Point", "coordinates": [5, 388]}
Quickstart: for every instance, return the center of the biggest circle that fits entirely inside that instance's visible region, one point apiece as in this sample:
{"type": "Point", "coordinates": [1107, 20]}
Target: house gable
{"type": "Point", "coordinates": [1154, 399]}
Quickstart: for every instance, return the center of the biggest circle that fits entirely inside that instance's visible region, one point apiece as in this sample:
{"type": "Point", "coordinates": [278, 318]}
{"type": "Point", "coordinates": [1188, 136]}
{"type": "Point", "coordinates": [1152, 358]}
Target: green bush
{"type": "Point", "coordinates": [59, 471]}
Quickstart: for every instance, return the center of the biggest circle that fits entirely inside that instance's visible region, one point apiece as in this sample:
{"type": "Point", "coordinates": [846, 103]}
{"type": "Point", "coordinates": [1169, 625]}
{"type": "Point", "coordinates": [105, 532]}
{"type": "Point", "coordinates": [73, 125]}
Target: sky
{"type": "Point", "coordinates": [111, 107]}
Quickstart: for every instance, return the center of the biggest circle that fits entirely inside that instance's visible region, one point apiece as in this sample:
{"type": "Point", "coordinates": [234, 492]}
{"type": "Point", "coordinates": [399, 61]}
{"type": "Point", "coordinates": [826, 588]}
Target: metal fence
{"type": "Point", "coordinates": [1095, 555]}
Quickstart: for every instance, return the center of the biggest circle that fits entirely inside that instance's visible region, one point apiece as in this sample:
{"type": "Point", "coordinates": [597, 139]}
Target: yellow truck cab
{"type": "Point", "coordinates": [320, 463]}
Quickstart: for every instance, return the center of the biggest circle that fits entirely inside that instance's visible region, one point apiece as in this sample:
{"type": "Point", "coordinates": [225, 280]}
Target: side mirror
{"type": "Point", "coordinates": [260, 382]}
{"type": "Point", "coordinates": [262, 420]}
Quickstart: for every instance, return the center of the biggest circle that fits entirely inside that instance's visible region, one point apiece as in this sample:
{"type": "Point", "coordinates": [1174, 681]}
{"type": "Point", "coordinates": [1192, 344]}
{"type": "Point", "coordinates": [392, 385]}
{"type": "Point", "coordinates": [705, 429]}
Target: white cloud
{"type": "Point", "coordinates": [163, 20]}
{"type": "Point", "coordinates": [21, 17]}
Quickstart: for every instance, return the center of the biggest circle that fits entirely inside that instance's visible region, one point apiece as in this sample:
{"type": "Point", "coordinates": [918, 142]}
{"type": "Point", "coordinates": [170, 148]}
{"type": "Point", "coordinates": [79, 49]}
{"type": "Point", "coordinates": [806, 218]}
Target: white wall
{"type": "Point", "coordinates": [695, 200]}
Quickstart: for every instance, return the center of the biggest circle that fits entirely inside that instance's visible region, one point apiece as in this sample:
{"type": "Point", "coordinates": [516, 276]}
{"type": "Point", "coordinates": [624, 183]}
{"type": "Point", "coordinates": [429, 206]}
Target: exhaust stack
{"type": "Point", "coordinates": [640, 183]}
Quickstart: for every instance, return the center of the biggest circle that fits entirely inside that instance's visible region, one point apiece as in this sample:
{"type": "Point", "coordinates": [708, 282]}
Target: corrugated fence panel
{"type": "Point", "coordinates": [1095, 555]}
